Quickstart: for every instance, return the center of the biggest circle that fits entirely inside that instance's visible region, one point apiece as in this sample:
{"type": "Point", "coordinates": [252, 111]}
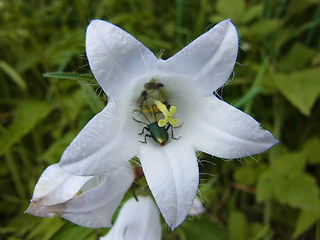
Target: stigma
{"type": "Point", "coordinates": [167, 114]}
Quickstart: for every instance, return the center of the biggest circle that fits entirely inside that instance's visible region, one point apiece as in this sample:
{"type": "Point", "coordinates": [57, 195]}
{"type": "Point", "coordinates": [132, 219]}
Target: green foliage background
{"type": "Point", "coordinates": [274, 195]}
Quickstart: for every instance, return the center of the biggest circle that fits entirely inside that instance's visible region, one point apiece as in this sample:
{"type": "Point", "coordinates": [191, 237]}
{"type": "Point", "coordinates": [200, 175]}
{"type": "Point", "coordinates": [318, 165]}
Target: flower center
{"type": "Point", "coordinates": [154, 110]}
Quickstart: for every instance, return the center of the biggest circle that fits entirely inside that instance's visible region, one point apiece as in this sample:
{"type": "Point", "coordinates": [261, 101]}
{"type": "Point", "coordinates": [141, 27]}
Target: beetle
{"type": "Point", "coordinates": [158, 134]}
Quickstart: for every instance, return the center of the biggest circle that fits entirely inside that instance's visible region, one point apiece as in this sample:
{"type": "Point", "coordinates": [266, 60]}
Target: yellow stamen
{"type": "Point", "coordinates": [152, 109]}
{"type": "Point", "coordinates": [167, 114]}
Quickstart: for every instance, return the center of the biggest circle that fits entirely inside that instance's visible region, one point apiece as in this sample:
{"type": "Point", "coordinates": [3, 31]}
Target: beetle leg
{"type": "Point", "coordinates": [172, 133]}
{"type": "Point", "coordinates": [145, 138]}
{"type": "Point", "coordinates": [145, 128]}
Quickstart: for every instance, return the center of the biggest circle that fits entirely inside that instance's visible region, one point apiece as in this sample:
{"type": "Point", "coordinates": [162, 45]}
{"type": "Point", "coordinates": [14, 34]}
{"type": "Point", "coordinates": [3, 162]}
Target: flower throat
{"type": "Point", "coordinates": [153, 106]}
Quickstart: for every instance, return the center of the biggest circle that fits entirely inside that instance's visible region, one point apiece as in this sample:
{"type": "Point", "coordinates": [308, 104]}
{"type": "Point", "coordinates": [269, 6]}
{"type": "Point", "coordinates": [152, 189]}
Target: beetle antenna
{"type": "Point", "coordinates": [146, 117]}
{"type": "Point", "coordinates": [139, 121]}
{"type": "Point", "coordinates": [141, 112]}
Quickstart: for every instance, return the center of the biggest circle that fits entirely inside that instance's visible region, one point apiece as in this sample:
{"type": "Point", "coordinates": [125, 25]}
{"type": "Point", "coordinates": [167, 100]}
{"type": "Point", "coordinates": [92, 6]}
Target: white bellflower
{"type": "Point", "coordinates": [163, 111]}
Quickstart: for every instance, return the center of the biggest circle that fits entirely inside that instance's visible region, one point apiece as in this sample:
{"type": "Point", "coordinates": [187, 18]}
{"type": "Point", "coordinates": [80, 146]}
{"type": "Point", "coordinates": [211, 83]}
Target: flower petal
{"type": "Point", "coordinates": [209, 60]}
{"type": "Point", "coordinates": [93, 208]}
{"type": "Point", "coordinates": [224, 131]}
{"type": "Point", "coordinates": [56, 186]}
{"type": "Point", "coordinates": [99, 147]}
{"type": "Point", "coordinates": [137, 220]}
{"type": "Point", "coordinates": [172, 174]}
{"type": "Point", "coordinates": [116, 57]}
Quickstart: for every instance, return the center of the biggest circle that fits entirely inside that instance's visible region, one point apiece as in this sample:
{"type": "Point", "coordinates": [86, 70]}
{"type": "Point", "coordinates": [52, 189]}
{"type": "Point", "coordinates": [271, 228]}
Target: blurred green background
{"type": "Point", "coordinates": [274, 195]}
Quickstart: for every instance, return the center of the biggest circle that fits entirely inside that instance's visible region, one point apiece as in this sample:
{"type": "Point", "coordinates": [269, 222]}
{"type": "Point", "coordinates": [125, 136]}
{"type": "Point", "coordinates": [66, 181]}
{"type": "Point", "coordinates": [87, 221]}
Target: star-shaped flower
{"type": "Point", "coordinates": [144, 93]}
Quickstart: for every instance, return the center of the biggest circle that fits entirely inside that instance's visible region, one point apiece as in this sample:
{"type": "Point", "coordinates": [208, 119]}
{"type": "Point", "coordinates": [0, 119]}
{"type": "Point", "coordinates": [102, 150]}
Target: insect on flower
{"type": "Point", "coordinates": [158, 129]}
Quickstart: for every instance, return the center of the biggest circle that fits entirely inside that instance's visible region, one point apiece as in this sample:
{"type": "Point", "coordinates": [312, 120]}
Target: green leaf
{"type": "Point", "coordinates": [26, 117]}
{"type": "Point", "coordinates": [46, 228]}
{"type": "Point", "coordinates": [262, 29]}
{"type": "Point", "coordinates": [300, 88]}
{"type": "Point", "coordinates": [245, 175]}
{"type": "Point", "coordinates": [53, 154]}
{"type": "Point", "coordinates": [306, 219]}
{"type": "Point", "coordinates": [311, 150]}
{"type": "Point", "coordinates": [72, 231]}
{"type": "Point", "coordinates": [73, 105]}
{"type": "Point", "coordinates": [288, 164]}
{"type": "Point", "coordinates": [258, 231]}
{"type": "Point", "coordinates": [299, 6]}
{"type": "Point", "coordinates": [203, 230]}
{"type": "Point", "coordinates": [298, 57]}
{"type": "Point", "coordinates": [69, 76]}
{"type": "Point", "coordinates": [266, 186]}
{"type": "Point", "coordinates": [207, 191]}
{"type": "Point", "coordinates": [238, 226]}
{"type": "Point", "coordinates": [248, 96]}
{"type": "Point", "coordinates": [234, 12]}
{"type": "Point", "coordinates": [299, 191]}
{"type": "Point", "coordinates": [14, 75]}
{"type": "Point", "coordinates": [252, 13]}
{"type": "Point", "coordinates": [95, 103]}
{"type": "Point", "coordinates": [282, 168]}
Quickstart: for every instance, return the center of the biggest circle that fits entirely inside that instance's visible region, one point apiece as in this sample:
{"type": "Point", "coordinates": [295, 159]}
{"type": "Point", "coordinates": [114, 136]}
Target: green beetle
{"type": "Point", "coordinates": [158, 134]}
